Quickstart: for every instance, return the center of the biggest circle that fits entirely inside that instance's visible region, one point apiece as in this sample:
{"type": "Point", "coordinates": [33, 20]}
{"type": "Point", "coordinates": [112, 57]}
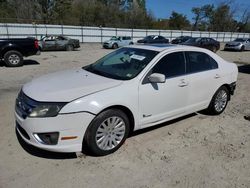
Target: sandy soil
{"type": "Point", "coordinates": [194, 151]}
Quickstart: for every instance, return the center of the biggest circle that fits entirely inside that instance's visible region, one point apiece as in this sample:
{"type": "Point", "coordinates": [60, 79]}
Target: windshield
{"type": "Point", "coordinates": [122, 64]}
{"type": "Point", "coordinates": [114, 38]}
{"type": "Point", "coordinates": [239, 40]}
{"type": "Point", "coordinates": [149, 37]}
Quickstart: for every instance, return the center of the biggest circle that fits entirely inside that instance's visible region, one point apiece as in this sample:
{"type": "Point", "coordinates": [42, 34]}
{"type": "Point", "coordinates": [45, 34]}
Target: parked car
{"type": "Point", "coordinates": [117, 42]}
{"type": "Point", "coordinates": [60, 42]}
{"type": "Point", "coordinates": [180, 39]}
{"type": "Point", "coordinates": [239, 44]}
{"type": "Point", "coordinates": [203, 42]}
{"type": "Point", "coordinates": [129, 89]}
{"type": "Point", "coordinates": [13, 50]}
{"type": "Point", "coordinates": [153, 39]}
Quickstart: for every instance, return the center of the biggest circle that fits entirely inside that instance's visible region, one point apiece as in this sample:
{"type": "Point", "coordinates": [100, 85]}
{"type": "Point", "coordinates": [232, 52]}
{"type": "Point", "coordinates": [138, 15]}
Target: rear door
{"type": "Point", "coordinates": [204, 78]}
{"type": "Point", "coordinates": [205, 43]}
{"type": "Point", "coordinates": [49, 44]}
{"type": "Point", "coordinates": [61, 43]}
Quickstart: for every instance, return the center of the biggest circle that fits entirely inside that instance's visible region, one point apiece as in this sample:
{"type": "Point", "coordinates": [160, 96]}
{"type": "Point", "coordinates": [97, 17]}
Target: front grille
{"type": "Point", "coordinates": [24, 105]}
{"type": "Point", "coordinates": [22, 131]}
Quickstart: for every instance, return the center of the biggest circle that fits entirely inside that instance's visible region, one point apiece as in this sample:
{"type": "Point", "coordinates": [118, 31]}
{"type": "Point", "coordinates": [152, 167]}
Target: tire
{"type": "Point", "coordinates": [115, 46]}
{"type": "Point", "coordinates": [104, 142]}
{"type": "Point", "coordinates": [219, 101]}
{"type": "Point", "coordinates": [131, 43]}
{"type": "Point", "coordinates": [214, 49]}
{"type": "Point", "coordinates": [13, 58]}
{"type": "Point", "coordinates": [69, 47]}
{"type": "Point", "coordinates": [242, 49]}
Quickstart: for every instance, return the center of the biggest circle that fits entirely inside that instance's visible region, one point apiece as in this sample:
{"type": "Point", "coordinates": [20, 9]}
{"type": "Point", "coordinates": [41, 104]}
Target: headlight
{"type": "Point", "coordinates": [46, 110]}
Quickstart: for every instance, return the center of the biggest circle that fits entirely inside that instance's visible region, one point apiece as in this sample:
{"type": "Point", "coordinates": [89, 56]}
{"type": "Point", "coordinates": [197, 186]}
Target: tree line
{"type": "Point", "coordinates": [123, 14]}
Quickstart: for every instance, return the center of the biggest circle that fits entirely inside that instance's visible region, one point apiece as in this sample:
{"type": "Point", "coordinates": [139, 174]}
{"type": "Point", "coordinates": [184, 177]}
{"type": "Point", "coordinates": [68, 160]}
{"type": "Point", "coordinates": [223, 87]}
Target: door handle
{"type": "Point", "coordinates": [217, 76]}
{"type": "Point", "coordinates": [183, 83]}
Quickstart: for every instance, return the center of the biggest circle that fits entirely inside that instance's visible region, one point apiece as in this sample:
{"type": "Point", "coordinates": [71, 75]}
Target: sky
{"type": "Point", "coordinates": [164, 8]}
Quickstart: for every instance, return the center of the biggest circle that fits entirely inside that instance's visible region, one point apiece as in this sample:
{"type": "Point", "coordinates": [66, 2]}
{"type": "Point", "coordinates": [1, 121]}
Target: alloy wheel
{"type": "Point", "coordinates": [110, 133]}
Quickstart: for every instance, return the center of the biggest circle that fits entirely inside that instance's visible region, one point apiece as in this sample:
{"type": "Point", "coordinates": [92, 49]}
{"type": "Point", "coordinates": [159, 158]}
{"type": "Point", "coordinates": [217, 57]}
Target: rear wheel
{"type": "Point", "coordinates": [219, 101]}
{"type": "Point", "coordinates": [13, 58]}
{"type": "Point", "coordinates": [214, 49]}
{"type": "Point", "coordinates": [107, 132]}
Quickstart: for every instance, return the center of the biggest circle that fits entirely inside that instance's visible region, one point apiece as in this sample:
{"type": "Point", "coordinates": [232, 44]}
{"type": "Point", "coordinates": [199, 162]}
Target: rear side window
{"type": "Point", "coordinates": [126, 38]}
{"type": "Point", "coordinates": [198, 62]}
{"type": "Point", "coordinates": [171, 65]}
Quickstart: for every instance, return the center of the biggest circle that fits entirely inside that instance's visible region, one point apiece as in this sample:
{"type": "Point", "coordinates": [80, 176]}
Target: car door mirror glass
{"type": "Point", "coordinates": [157, 78]}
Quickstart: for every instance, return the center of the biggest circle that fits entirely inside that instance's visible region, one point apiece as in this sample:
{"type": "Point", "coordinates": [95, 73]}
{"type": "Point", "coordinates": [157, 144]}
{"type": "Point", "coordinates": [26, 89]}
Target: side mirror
{"type": "Point", "coordinates": [157, 78]}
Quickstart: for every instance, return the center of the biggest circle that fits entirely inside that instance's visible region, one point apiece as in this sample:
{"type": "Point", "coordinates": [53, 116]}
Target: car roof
{"type": "Point", "coordinates": [165, 47]}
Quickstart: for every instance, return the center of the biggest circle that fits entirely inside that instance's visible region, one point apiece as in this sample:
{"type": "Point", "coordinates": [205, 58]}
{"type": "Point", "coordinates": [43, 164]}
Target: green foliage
{"type": "Point", "coordinates": [178, 21]}
{"type": "Point", "coordinates": [202, 16]}
{"type": "Point", "coordinates": [222, 19]}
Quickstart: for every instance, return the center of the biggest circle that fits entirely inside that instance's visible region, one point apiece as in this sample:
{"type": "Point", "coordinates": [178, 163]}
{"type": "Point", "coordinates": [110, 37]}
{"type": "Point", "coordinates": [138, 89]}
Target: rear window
{"type": "Point", "coordinates": [198, 62]}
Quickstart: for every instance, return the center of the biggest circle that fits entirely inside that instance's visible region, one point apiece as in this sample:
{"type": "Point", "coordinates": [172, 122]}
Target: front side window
{"type": "Point", "coordinates": [198, 62]}
{"type": "Point", "coordinates": [122, 64]}
{"type": "Point", "coordinates": [171, 65]}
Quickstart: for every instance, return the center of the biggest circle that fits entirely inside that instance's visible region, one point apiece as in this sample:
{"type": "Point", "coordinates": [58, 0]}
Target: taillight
{"type": "Point", "coordinates": [36, 44]}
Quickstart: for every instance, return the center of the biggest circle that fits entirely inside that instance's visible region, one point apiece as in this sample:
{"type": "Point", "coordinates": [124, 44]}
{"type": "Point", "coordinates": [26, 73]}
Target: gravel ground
{"type": "Point", "coordinates": [194, 151]}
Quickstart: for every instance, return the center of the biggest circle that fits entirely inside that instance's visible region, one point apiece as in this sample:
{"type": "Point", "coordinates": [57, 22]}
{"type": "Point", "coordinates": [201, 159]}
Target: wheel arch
{"type": "Point", "coordinates": [7, 49]}
{"type": "Point", "coordinates": [127, 111]}
{"type": "Point", "coordinates": [124, 109]}
{"type": "Point", "coordinates": [229, 90]}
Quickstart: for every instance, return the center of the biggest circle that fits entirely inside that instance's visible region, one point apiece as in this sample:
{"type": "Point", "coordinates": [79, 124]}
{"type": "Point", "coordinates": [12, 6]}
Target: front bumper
{"type": "Point", "coordinates": [68, 125]}
{"type": "Point", "coordinates": [107, 45]}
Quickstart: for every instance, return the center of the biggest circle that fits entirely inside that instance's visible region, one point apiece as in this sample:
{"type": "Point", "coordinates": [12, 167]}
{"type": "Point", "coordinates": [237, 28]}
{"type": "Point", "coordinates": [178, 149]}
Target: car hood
{"type": "Point", "coordinates": [65, 86]}
{"type": "Point", "coordinates": [109, 41]}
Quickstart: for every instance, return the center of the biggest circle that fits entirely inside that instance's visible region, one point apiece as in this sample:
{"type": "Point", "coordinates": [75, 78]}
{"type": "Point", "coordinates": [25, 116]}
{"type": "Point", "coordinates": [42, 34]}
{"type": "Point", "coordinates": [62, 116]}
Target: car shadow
{"type": "Point", "coordinates": [43, 153]}
{"type": "Point", "coordinates": [244, 69]}
{"type": "Point", "coordinates": [25, 62]}
{"type": "Point", "coordinates": [145, 130]}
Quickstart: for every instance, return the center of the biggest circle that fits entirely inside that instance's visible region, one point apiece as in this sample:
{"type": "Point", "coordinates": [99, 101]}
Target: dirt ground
{"type": "Point", "coordinates": [194, 151]}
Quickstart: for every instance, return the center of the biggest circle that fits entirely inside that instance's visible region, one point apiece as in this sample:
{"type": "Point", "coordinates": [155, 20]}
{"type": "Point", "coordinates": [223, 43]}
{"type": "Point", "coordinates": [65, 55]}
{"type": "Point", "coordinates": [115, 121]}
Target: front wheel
{"type": "Point", "coordinates": [219, 101]}
{"type": "Point", "coordinates": [69, 47]}
{"type": "Point", "coordinates": [107, 132]}
{"type": "Point", "coordinates": [115, 46]}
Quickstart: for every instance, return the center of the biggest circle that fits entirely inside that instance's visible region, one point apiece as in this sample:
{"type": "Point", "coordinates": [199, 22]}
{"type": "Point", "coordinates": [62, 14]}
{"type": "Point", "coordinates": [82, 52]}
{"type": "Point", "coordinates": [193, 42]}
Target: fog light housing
{"type": "Point", "coordinates": [47, 138]}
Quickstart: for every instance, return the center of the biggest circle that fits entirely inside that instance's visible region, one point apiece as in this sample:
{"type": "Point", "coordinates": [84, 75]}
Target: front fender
{"type": "Point", "coordinates": [125, 95]}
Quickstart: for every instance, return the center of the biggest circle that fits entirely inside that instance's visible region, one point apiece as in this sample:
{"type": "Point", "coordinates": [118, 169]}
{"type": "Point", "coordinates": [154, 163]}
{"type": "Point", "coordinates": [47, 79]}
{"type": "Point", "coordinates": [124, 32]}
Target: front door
{"type": "Point", "coordinates": [163, 101]}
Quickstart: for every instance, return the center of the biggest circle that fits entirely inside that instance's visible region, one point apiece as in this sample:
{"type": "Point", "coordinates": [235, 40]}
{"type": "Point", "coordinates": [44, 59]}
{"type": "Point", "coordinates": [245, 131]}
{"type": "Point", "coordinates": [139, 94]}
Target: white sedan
{"type": "Point", "coordinates": [129, 89]}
